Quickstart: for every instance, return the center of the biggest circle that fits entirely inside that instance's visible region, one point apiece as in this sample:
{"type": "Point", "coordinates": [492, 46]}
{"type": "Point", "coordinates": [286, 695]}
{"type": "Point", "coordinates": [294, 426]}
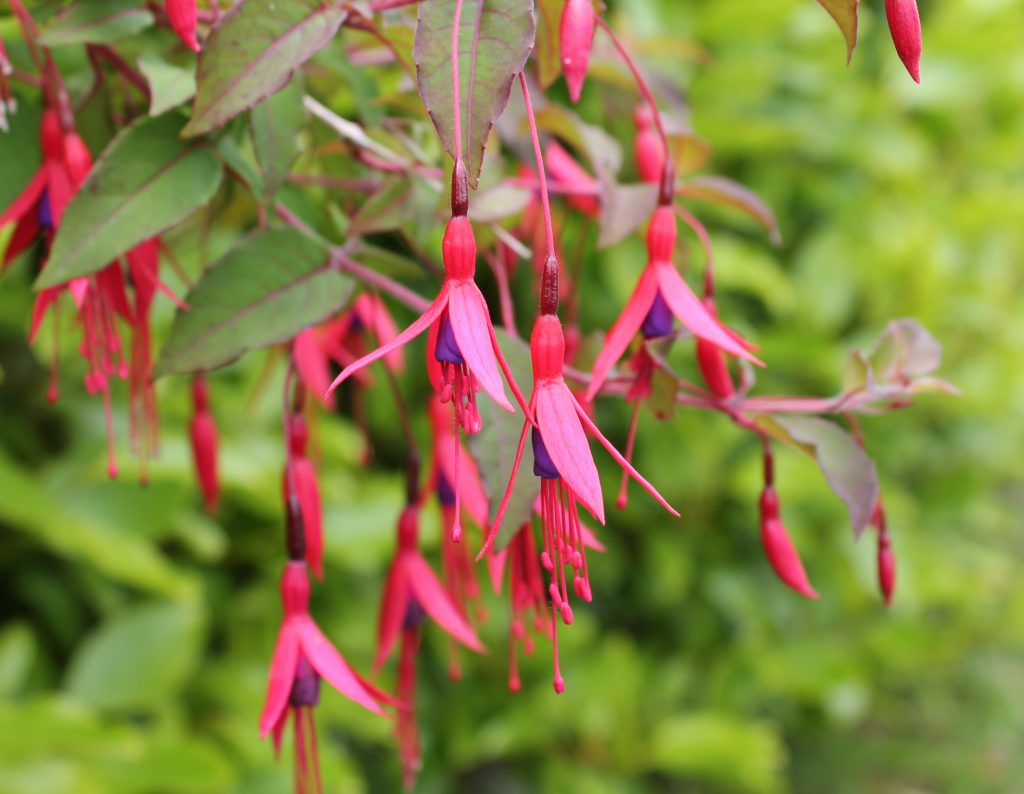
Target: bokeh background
{"type": "Point", "coordinates": [135, 631]}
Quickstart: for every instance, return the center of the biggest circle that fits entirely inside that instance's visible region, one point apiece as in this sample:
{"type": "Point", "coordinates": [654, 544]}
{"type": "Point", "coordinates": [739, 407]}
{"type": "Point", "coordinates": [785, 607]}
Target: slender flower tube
{"type": "Point", "coordinates": [660, 295]}
{"type": "Point", "coordinates": [204, 444]}
{"type": "Point", "coordinates": [576, 38]}
{"type": "Point", "coordinates": [886, 557]}
{"type": "Point", "coordinates": [182, 16]}
{"type": "Point", "coordinates": [782, 554]}
{"type": "Point", "coordinates": [905, 26]}
{"type": "Point", "coordinates": [563, 461]}
{"type": "Point", "coordinates": [300, 481]}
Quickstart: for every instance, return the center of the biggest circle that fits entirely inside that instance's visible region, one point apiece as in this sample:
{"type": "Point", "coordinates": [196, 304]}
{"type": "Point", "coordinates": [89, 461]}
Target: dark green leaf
{"type": "Point", "coordinates": [727, 193]}
{"type": "Point", "coordinates": [277, 122]}
{"type": "Point", "coordinates": [146, 181]}
{"type": "Point", "coordinates": [20, 153]}
{"type": "Point", "coordinates": [845, 464]}
{"type": "Point", "coordinates": [495, 39]}
{"type": "Point", "coordinates": [169, 86]}
{"type": "Point", "coordinates": [252, 52]}
{"type": "Point", "coordinates": [844, 12]}
{"type": "Point", "coordinates": [265, 290]}
{"type": "Point", "coordinates": [494, 447]}
{"type": "Point", "coordinates": [93, 22]}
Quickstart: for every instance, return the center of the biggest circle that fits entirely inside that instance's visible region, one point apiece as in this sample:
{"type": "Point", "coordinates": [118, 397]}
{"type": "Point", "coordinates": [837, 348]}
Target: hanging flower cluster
{"type": "Point", "coordinates": [331, 338]}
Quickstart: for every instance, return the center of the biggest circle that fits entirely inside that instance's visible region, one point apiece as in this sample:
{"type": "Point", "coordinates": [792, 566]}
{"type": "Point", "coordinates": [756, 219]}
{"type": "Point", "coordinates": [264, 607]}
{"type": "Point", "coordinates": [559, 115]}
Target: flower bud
{"type": "Point", "coordinates": [905, 26]}
{"type": "Point", "coordinates": [577, 37]}
{"type": "Point", "coordinates": [182, 16]}
{"type": "Point", "coordinates": [714, 367]}
{"type": "Point", "coordinates": [781, 552]}
{"type": "Point", "coordinates": [648, 151]}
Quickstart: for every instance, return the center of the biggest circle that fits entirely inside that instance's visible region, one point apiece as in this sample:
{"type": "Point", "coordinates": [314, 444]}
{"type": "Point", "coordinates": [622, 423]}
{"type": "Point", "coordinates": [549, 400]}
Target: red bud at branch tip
{"type": "Point", "coordinates": [905, 26]}
{"type": "Point", "coordinates": [782, 554]}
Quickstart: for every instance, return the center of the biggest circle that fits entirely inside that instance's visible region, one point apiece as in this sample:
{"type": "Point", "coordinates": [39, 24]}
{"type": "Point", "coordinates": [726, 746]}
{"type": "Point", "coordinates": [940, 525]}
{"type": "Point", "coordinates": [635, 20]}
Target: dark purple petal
{"type": "Point", "coordinates": [543, 466]}
{"type": "Point", "coordinates": [659, 319]}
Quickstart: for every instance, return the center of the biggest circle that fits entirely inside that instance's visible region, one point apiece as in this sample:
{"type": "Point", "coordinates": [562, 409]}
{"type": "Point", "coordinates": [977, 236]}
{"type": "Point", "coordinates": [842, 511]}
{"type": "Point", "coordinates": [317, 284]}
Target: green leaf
{"type": "Point", "coordinates": [139, 659]}
{"type": "Point", "coordinates": [399, 201]}
{"type": "Point", "coordinates": [91, 22]}
{"type": "Point", "coordinates": [624, 209]}
{"type": "Point", "coordinates": [495, 39]}
{"type": "Point", "coordinates": [547, 54]}
{"type": "Point", "coordinates": [727, 193]}
{"type": "Point", "coordinates": [722, 749]}
{"type": "Point", "coordinates": [146, 181]}
{"type": "Point", "coordinates": [494, 447]}
{"type": "Point", "coordinates": [846, 466]}
{"type": "Point", "coordinates": [20, 152]}
{"type": "Point", "coordinates": [266, 289]}
{"type": "Point", "coordinates": [277, 122]}
{"type": "Point", "coordinates": [499, 202]}
{"type": "Point", "coordinates": [253, 51]}
{"type": "Point", "coordinates": [844, 12]}
{"type": "Point", "coordinates": [169, 85]}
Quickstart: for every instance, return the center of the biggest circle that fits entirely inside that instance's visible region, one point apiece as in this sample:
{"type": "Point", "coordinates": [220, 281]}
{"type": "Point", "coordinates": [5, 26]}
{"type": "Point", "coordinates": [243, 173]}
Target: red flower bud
{"type": "Point", "coordinates": [182, 16]}
{"type": "Point", "coordinates": [649, 153]}
{"type": "Point", "coordinates": [577, 37]}
{"type": "Point", "coordinates": [204, 445]}
{"type": "Point", "coordinates": [905, 26]}
{"type": "Point", "coordinates": [714, 367]}
{"type": "Point", "coordinates": [781, 552]}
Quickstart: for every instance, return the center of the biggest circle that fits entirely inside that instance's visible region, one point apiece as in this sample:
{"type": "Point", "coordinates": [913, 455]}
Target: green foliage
{"type": "Point", "coordinates": [137, 631]}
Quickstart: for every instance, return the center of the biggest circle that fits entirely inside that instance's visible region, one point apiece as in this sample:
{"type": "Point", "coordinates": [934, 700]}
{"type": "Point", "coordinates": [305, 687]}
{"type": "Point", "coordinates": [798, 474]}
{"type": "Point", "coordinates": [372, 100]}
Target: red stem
{"type": "Point", "coordinates": [545, 199]}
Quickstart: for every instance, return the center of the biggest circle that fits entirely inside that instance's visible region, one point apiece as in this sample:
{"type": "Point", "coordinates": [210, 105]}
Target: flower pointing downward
{"type": "Point", "coordinates": [905, 26]}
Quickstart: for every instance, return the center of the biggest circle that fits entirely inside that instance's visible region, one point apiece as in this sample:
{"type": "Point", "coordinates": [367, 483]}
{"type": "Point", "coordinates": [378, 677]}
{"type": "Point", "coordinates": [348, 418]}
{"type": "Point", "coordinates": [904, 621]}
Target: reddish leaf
{"type": "Point", "coordinates": [725, 192]}
{"type": "Point", "coordinates": [844, 12]}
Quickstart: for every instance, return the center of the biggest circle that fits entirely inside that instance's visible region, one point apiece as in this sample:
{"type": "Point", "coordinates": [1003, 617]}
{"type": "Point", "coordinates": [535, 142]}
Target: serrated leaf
{"type": "Point", "coordinates": [276, 123]}
{"type": "Point", "coordinates": [844, 12]}
{"type": "Point", "coordinates": [253, 51]}
{"type": "Point", "coordinates": [495, 39]}
{"type": "Point", "coordinates": [146, 181]}
{"type": "Point", "coordinates": [169, 85]}
{"type": "Point", "coordinates": [727, 193]}
{"type": "Point", "coordinates": [846, 466]}
{"type": "Point", "coordinates": [494, 447]}
{"type": "Point", "coordinates": [624, 209]}
{"type": "Point", "coordinates": [139, 659]}
{"type": "Point", "coordinates": [90, 22]}
{"type": "Point", "coordinates": [266, 289]}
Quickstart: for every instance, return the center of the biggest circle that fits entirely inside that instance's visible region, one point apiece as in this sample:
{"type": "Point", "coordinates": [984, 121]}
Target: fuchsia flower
{"type": "Point", "coordinates": [581, 187]}
{"type": "Point", "coordinates": [782, 554]}
{"type": "Point", "coordinates": [576, 39]}
{"type": "Point", "coordinates": [563, 461]}
{"type": "Point", "coordinates": [412, 591]}
{"type": "Point", "coordinates": [647, 148]}
{"type": "Point", "coordinates": [660, 295]}
{"type": "Point", "coordinates": [714, 368]}
{"type": "Point", "coordinates": [300, 481]}
{"type": "Point", "coordinates": [204, 444]}
{"type": "Point", "coordinates": [886, 558]}
{"type": "Point", "coordinates": [905, 26]}
{"type": "Point", "coordinates": [302, 657]}
{"type": "Point", "coordinates": [182, 16]}
{"type": "Point", "coordinates": [343, 340]}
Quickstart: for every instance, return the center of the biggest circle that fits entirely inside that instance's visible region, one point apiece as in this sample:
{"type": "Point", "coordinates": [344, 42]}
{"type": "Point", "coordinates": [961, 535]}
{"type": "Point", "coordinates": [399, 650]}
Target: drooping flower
{"type": "Point", "coordinates": [647, 147]}
{"type": "Point", "coordinates": [576, 38]}
{"type": "Point", "coordinates": [411, 593]}
{"type": "Point", "coordinates": [302, 657]}
{"type": "Point", "coordinates": [713, 365]}
{"type": "Point", "coordinates": [581, 189]}
{"type": "Point", "coordinates": [300, 481]}
{"type": "Point", "coordinates": [563, 461]}
{"type": "Point", "coordinates": [886, 558]}
{"type": "Point", "coordinates": [905, 26]}
{"type": "Point", "coordinates": [661, 295]}
{"type": "Point", "coordinates": [182, 16]}
{"type": "Point", "coordinates": [782, 554]}
{"type": "Point", "coordinates": [204, 444]}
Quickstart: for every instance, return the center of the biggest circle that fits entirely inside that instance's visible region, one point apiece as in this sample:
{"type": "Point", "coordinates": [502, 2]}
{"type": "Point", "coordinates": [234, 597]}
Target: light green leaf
{"type": "Point", "coordinates": [92, 22]}
{"type": "Point", "coordinates": [276, 123]}
{"type": "Point", "coordinates": [169, 85]}
{"type": "Point", "coordinates": [844, 12]}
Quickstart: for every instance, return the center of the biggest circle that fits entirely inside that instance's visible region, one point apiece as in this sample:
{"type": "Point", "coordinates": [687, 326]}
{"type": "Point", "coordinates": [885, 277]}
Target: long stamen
{"type": "Point", "coordinates": [630, 441]}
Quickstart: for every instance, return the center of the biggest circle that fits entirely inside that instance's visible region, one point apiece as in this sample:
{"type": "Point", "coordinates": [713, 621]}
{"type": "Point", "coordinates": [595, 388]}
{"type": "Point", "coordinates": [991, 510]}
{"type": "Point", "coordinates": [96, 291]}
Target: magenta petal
{"type": "Point", "coordinates": [471, 324]}
{"type": "Point", "coordinates": [311, 362]}
{"type": "Point", "coordinates": [282, 675]}
{"type": "Point", "coordinates": [418, 327]}
{"type": "Point", "coordinates": [312, 514]}
{"type": "Point", "coordinates": [590, 540]}
{"type": "Point", "coordinates": [567, 445]}
{"type": "Point", "coordinates": [496, 568]}
{"type": "Point", "coordinates": [392, 613]}
{"type": "Point", "coordinates": [625, 464]}
{"type": "Point", "coordinates": [692, 313]}
{"type": "Point", "coordinates": [323, 658]}
{"type": "Point", "coordinates": [621, 334]}
{"type": "Point", "coordinates": [278, 733]}
{"type": "Point", "coordinates": [26, 200]}
{"type": "Point", "coordinates": [437, 603]}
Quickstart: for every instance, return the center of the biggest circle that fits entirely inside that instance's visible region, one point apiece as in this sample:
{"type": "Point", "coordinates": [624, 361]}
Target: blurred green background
{"type": "Point", "coordinates": [135, 632]}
